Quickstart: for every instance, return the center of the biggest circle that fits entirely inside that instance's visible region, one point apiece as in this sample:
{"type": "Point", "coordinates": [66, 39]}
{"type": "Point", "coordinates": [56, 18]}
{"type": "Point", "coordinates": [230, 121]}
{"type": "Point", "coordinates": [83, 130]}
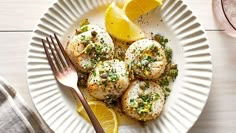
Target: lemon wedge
{"type": "Point", "coordinates": [120, 26]}
{"type": "Point", "coordinates": [135, 8]}
{"type": "Point", "coordinates": [106, 116]}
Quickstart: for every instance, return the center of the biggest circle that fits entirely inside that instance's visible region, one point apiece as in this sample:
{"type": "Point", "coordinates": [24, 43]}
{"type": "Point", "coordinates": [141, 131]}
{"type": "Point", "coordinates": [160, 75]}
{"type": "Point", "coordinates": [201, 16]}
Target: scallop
{"type": "Point", "coordinates": [146, 59]}
{"type": "Point", "coordinates": [108, 79]}
{"type": "Point", "coordinates": [143, 100]}
{"type": "Point", "coordinates": [90, 45]}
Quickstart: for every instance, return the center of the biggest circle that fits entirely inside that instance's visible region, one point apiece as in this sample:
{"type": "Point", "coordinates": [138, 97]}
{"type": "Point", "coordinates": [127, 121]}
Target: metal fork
{"type": "Point", "coordinates": [66, 74]}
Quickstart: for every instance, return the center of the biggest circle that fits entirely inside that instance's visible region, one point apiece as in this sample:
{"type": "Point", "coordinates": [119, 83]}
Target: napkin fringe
{"type": "Point", "coordinates": [26, 114]}
{"type": "Point", "coordinates": [17, 111]}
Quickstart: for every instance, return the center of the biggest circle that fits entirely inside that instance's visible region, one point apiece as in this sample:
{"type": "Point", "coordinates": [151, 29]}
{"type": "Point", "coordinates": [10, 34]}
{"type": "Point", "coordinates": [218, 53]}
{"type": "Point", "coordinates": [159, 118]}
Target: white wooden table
{"type": "Point", "coordinates": [17, 20]}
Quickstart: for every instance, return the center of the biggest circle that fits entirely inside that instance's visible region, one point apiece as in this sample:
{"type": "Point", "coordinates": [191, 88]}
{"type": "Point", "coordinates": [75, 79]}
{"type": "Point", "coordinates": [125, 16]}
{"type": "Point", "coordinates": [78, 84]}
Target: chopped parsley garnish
{"type": "Point", "coordinates": [166, 91]}
{"type": "Point", "coordinates": [168, 53]}
{"type": "Point", "coordinates": [150, 59]}
{"type": "Point", "coordinates": [93, 62]}
{"type": "Point", "coordinates": [169, 75]}
{"type": "Point", "coordinates": [84, 22]}
{"type": "Point", "coordinates": [133, 103]}
{"type": "Point", "coordinates": [131, 100]}
{"type": "Point", "coordinates": [157, 53]}
{"type": "Point", "coordinates": [108, 74]}
{"type": "Point", "coordinates": [82, 37]}
{"type": "Point", "coordinates": [143, 103]}
{"type": "Point", "coordinates": [152, 47]}
{"type": "Point", "coordinates": [173, 73]}
{"type": "Point", "coordinates": [97, 51]}
{"type": "Point", "coordinates": [143, 64]}
{"type": "Point", "coordinates": [86, 66]}
{"type": "Point", "coordinates": [145, 98]}
{"type": "Point", "coordinates": [144, 109]}
{"type": "Point", "coordinates": [84, 28]}
{"type": "Point", "coordinates": [147, 84]}
{"type": "Point", "coordinates": [164, 81]}
{"type": "Point", "coordinates": [155, 96]}
{"type": "Point", "coordinates": [94, 73]}
{"type": "Point", "coordinates": [113, 77]}
{"type": "Point", "coordinates": [161, 39]}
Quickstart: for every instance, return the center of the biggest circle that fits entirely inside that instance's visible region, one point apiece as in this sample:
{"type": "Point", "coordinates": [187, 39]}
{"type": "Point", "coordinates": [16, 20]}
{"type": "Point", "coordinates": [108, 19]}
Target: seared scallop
{"type": "Point", "coordinates": [108, 79]}
{"type": "Point", "coordinates": [146, 59]}
{"type": "Point", "coordinates": [90, 45]}
{"type": "Point", "coordinates": [143, 100]}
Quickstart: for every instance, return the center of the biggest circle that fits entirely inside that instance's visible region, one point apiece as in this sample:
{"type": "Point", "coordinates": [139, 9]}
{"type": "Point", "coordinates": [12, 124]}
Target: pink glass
{"type": "Point", "coordinates": [225, 13]}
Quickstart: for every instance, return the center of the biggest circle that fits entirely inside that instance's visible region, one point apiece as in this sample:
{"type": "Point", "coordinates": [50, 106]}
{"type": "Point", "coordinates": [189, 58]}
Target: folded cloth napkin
{"type": "Point", "coordinates": [15, 116]}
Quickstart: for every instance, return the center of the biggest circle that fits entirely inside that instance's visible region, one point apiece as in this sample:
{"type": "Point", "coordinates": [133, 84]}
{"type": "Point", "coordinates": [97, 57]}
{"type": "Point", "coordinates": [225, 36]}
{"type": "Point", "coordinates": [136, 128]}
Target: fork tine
{"type": "Point", "coordinates": [49, 57]}
{"type": "Point", "coordinates": [58, 53]}
{"type": "Point", "coordinates": [63, 51]}
{"type": "Point", "coordinates": [54, 56]}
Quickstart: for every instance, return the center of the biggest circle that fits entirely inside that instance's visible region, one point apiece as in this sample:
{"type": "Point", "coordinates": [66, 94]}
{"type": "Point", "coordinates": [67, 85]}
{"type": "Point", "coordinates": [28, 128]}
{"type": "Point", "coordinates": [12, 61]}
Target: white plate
{"type": "Point", "coordinates": [174, 20]}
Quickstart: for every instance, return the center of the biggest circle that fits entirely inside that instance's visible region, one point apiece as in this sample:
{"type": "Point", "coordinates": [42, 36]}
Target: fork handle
{"type": "Point", "coordinates": [98, 128]}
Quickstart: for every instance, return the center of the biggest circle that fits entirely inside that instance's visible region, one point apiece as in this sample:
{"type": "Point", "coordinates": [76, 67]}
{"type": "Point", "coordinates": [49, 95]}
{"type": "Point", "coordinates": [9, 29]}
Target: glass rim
{"type": "Point", "coordinates": [227, 16]}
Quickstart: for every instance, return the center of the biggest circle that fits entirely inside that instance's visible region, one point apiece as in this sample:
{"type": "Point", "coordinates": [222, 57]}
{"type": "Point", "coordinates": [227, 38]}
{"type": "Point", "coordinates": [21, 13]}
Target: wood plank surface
{"type": "Point", "coordinates": [24, 14]}
{"type": "Point", "coordinates": [21, 14]}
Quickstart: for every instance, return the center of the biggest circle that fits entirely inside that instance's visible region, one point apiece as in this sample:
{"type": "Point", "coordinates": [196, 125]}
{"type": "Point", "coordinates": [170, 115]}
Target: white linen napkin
{"type": "Point", "coordinates": [15, 115]}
